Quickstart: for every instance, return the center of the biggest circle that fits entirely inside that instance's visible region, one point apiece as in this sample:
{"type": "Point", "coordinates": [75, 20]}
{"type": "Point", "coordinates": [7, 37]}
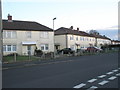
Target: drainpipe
{"type": "Point", "coordinates": [66, 41]}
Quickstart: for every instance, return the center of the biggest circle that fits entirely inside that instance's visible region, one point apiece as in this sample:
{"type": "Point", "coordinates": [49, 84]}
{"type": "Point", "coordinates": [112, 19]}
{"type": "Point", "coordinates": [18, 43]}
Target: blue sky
{"type": "Point", "coordinates": [101, 15]}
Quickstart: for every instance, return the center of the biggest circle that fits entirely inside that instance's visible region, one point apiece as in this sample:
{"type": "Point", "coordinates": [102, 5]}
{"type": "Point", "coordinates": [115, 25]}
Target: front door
{"type": "Point", "coordinates": [29, 50]}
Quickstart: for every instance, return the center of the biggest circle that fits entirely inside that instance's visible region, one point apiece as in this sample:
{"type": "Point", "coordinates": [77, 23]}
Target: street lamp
{"type": "Point", "coordinates": [54, 36]}
{"type": "Point", "coordinates": [53, 22]}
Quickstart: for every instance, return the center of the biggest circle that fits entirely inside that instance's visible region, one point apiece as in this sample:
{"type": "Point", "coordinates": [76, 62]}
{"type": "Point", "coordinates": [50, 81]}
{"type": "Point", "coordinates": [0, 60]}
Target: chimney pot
{"type": "Point", "coordinates": [71, 27]}
{"type": "Point", "coordinates": [77, 29]}
{"type": "Point", "coordinates": [9, 18]}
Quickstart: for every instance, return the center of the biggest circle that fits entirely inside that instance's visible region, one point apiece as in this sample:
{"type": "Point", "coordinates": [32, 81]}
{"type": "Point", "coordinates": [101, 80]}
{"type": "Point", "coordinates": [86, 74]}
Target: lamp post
{"type": "Point", "coordinates": [53, 22]}
{"type": "Point", "coordinates": [54, 37]}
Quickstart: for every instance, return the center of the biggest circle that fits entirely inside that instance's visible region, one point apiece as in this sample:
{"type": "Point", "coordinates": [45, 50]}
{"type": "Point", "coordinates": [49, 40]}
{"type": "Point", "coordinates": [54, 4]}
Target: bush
{"type": "Point", "coordinates": [38, 53]}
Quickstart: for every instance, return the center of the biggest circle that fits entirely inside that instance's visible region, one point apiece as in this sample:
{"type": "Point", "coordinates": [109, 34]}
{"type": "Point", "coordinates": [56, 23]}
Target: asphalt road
{"type": "Point", "coordinates": [95, 71]}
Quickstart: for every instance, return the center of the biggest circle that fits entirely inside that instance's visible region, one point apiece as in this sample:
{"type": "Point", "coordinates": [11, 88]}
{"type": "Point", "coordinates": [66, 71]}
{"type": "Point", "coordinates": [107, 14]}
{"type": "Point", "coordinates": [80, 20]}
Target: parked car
{"type": "Point", "coordinates": [66, 51]}
{"type": "Point", "coordinates": [93, 49]}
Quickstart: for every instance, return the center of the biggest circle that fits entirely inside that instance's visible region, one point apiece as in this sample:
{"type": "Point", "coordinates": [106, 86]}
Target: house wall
{"type": "Point", "coordinates": [82, 41]}
{"type": "Point", "coordinates": [103, 42]}
{"type": "Point", "coordinates": [61, 40]}
{"type": "Point", "coordinates": [35, 37]}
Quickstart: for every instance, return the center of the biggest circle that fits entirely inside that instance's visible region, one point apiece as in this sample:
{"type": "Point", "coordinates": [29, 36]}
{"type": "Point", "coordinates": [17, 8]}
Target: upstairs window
{"type": "Point", "coordinates": [71, 37]}
{"type": "Point", "coordinates": [44, 35]}
{"type": "Point", "coordinates": [9, 34]}
{"type": "Point", "coordinates": [28, 34]}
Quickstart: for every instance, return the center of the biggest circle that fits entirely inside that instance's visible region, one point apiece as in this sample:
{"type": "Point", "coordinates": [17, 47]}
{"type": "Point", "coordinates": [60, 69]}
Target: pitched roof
{"type": "Point", "coordinates": [24, 25]}
{"type": "Point", "coordinates": [100, 36]}
{"type": "Point", "coordinates": [63, 30]}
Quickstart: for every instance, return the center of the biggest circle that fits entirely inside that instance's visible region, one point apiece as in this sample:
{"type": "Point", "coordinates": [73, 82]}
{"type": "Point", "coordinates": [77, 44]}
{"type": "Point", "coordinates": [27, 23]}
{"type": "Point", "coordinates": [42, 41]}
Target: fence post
{"type": "Point", "coordinates": [15, 57]}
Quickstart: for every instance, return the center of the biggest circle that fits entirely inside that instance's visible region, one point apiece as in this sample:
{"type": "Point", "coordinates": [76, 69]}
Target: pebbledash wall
{"type": "Point", "coordinates": [75, 39]}
{"type": "Point", "coordinates": [23, 37]}
{"type": "Point", "coordinates": [22, 44]}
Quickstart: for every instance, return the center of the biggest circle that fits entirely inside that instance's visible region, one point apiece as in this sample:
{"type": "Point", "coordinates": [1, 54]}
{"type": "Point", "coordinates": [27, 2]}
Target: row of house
{"type": "Point", "coordinates": [23, 37]}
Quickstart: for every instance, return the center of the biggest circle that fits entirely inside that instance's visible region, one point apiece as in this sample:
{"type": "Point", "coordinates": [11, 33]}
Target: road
{"type": "Point", "coordinates": [94, 71]}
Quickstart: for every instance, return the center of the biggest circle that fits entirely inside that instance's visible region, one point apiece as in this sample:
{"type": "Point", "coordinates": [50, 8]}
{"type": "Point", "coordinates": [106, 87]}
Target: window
{"type": "Point", "coordinates": [76, 38]}
{"type": "Point", "coordinates": [4, 48]}
{"type": "Point", "coordinates": [44, 47]}
{"type": "Point", "coordinates": [28, 34]}
{"type": "Point", "coordinates": [71, 37]}
{"type": "Point", "coordinates": [9, 48]}
{"type": "Point", "coordinates": [44, 35]}
{"type": "Point", "coordinates": [14, 34]}
{"type": "Point", "coordinates": [9, 34]}
{"type": "Point", "coordinates": [81, 38]}
{"type": "Point", "coordinates": [14, 48]}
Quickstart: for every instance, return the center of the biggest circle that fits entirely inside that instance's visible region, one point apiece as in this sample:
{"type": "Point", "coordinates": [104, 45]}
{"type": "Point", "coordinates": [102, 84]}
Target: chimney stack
{"type": "Point", "coordinates": [77, 29]}
{"type": "Point", "coordinates": [71, 27]}
{"type": "Point", "coordinates": [9, 18]}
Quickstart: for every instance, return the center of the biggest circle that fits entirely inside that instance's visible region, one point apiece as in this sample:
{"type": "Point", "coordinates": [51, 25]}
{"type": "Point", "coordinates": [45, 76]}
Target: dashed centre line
{"type": "Point", "coordinates": [102, 76]}
{"type": "Point", "coordinates": [118, 74]}
{"type": "Point", "coordinates": [109, 73]}
{"type": "Point", "coordinates": [103, 82]}
{"type": "Point", "coordinates": [93, 87]}
{"type": "Point", "coordinates": [112, 78]}
{"type": "Point", "coordinates": [114, 70]}
{"type": "Point", "coordinates": [92, 80]}
{"type": "Point", "coordinates": [80, 85]}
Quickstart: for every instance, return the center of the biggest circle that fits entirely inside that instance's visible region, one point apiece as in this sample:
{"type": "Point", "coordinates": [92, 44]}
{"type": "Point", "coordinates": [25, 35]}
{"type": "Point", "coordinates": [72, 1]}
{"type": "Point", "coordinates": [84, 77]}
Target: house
{"type": "Point", "coordinates": [76, 39]}
{"type": "Point", "coordinates": [115, 42]}
{"type": "Point", "coordinates": [101, 40]}
{"type": "Point", "coordinates": [23, 37]}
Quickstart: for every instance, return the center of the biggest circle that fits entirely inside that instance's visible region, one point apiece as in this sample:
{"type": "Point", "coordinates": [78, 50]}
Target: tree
{"type": "Point", "coordinates": [94, 32]}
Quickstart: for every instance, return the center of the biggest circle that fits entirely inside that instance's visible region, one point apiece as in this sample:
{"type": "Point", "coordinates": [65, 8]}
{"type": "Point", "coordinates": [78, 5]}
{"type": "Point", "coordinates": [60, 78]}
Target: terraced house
{"type": "Point", "coordinates": [75, 39]}
{"type": "Point", "coordinates": [23, 37]}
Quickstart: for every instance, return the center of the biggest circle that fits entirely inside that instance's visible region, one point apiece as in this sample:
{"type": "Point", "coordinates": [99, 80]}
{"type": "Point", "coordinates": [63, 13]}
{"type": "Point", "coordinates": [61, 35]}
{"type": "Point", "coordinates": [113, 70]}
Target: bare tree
{"type": "Point", "coordinates": [94, 32]}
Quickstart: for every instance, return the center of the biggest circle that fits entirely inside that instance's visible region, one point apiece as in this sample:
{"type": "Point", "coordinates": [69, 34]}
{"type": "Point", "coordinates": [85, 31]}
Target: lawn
{"type": "Point", "coordinates": [18, 58]}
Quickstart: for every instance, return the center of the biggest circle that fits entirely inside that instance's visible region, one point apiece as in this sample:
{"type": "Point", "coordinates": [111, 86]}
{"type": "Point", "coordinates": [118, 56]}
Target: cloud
{"type": "Point", "coordinates": [111, 28]}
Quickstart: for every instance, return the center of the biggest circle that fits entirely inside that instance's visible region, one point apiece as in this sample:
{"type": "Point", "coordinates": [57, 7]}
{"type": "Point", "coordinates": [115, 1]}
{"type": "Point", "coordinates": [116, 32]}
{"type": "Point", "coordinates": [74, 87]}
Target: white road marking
{"type": "Point", "coordinates": [115, 70]}
{"type": "Point", "coordinates": [118, 74]}
{"type": "Point", "coordinates": [102, 76]}
{"type": "Point", "coordinates": [93, 87]}
{"type": "Point", "coordinates": [112, 78]}
{"type": "Point", "coordinates": [103, 82]}
{"type": "Point", "coordinates": [92, 80]}
{"type": "Point", "coordinates": [109, 73]}
{"type": "Point", "coordinates": [80, 85]}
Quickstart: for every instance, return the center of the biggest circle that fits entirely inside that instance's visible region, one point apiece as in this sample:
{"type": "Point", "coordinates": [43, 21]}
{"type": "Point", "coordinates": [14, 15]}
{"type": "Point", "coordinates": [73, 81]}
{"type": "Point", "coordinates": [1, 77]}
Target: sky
{"type": "Point", "coordinates": [100, 15]}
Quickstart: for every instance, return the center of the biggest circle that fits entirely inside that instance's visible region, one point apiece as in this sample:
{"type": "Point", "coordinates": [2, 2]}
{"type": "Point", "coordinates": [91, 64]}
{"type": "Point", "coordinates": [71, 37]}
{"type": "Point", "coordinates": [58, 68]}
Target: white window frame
{"type": "Point", "coordinates": [13, 48]}
{"type": "Point", "coordinates": [29, 34]}
{"type": "Point", "coordinates": [45, 47]}
{"type": "Point", "coordinates": [44, 35]}
{"type": "Point", "coordinates": [9, 34]}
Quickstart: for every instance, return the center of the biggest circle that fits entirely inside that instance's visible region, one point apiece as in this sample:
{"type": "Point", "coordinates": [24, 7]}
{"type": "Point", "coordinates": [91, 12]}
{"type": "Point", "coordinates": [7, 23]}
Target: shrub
{"type": "Point", "coordinates": [38, 53]}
